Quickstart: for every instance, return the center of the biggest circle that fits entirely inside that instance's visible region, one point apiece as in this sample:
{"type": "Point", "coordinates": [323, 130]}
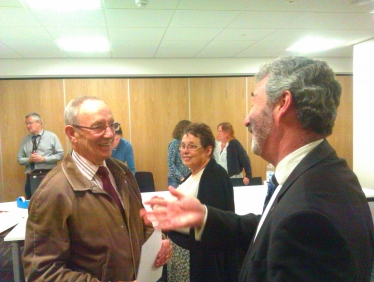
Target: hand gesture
{"type": "Point", "coordinates": [184, 211]}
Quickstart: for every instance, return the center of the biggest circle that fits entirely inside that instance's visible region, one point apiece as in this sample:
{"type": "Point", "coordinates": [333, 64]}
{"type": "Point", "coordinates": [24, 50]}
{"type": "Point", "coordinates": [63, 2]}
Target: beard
{"type": "Point", "coordinates": [260, 128]}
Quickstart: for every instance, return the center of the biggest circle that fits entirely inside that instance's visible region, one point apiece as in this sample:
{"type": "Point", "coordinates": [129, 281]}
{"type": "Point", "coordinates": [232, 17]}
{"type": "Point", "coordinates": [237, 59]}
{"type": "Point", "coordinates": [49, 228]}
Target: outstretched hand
{"type": "Point", "coordinates": [182, 211]}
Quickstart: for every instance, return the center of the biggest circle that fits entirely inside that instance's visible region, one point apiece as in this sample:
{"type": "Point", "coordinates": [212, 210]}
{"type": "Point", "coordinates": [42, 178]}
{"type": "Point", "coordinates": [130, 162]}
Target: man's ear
{"type": "Point", "coordinates": [285, 103]}
{"type": "Point", "coordinates": [70, 133]}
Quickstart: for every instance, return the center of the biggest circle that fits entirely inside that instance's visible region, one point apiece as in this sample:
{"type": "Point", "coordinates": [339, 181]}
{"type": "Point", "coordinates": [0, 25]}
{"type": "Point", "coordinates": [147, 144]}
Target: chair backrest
{"type": "Point", "coordinates": [239, 181]}
{"type": "Point", "coordinates": [145, 181]}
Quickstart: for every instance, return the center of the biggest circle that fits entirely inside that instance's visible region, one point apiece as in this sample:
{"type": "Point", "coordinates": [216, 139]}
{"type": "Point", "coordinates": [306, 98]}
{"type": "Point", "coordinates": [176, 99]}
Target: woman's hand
{"type": "Point", "coordinates": [164, 254]}
{"type": "Point", "coordinates": [245, 180]}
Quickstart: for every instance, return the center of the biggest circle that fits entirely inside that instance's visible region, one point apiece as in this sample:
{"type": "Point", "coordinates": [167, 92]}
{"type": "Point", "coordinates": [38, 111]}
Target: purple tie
{"type": "Point", "coordinates": [108, 187]}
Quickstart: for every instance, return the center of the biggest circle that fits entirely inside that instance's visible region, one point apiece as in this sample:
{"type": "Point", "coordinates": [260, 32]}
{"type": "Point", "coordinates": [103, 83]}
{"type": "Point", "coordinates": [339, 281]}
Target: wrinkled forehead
{"type": "Point", "coordinates": [94, 110]}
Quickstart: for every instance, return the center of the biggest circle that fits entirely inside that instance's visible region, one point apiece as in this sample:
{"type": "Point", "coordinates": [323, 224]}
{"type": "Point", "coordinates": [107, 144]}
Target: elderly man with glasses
{"type": "Point", "coordinates": [84, 222]}
{"type": "Point", "coordinates": [41, 149]}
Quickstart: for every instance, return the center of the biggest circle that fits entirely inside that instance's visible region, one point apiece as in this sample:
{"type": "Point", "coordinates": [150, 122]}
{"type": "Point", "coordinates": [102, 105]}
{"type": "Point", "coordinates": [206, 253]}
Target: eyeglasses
{"type": "Point", "coordinates": [100, 129]}
{"type": "Point", "coordinates": [189, 147]}
{"type": "Point", "coordinates": [29, 123]}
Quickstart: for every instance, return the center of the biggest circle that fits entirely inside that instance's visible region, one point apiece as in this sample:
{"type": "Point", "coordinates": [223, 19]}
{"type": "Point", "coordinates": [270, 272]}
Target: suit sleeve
{"type": "Point", "coordinates": [228, 227]}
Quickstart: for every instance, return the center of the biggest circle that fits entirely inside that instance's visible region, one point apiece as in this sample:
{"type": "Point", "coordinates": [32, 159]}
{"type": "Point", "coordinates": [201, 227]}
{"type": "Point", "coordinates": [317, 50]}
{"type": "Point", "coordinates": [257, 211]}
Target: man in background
{"type": "Point", "coordinates": [41, 149]}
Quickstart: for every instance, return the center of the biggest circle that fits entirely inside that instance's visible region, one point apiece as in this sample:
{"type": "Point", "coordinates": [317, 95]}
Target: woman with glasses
{"type": "Point", "coordinates": [230, 154]}
{"type": "Point", "coordinates": [191, 260]}
{"type": "Point", "coordinates": [177, 171]}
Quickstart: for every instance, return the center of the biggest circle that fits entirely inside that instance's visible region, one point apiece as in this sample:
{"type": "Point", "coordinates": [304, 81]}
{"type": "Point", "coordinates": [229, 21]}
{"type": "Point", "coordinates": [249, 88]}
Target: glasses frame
{"type": "Point", "coordinates": [113, 127]}
{"type": "Point", "coordinates": [30, 122]}
{"type": "Point", "coordinates": [188, 147]}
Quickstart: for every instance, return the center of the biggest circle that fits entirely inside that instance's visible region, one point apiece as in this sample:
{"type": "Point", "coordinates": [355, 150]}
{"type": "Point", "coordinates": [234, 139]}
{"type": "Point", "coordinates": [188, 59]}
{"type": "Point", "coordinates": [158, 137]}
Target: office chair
{"type": "Point", "coordinates": [253, 181]}
{"type": "Point", "coordinates": [145, 181]}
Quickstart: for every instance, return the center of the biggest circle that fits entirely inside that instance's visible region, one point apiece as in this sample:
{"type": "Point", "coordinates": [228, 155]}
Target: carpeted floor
{"type": "Point", "coordinates": [6, 264]}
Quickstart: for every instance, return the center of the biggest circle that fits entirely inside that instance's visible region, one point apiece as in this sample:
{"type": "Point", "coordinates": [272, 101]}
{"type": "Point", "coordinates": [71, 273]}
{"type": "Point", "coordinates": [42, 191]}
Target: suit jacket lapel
{"type": "Point", "coordinates": [321, 152]}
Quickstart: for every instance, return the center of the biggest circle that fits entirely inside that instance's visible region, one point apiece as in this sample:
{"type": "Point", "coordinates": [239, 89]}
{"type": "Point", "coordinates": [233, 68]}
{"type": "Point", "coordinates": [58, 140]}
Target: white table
{"type": "Point", "coordinates": [248, 199]}
{"type": "Point", "coordinates": [10, 216]}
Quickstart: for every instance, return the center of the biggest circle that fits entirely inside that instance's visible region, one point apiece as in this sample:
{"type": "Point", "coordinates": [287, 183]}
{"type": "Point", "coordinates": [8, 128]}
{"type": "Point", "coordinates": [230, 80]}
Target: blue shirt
{"type": "Point", "coordinates": [177, 169]}
{"type": "Point", "coordinates": [125, 153]}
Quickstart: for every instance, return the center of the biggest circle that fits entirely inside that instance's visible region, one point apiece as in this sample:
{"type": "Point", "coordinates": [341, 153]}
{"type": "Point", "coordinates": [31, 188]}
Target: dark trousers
{"type": "Point", "coordinates": [28, 187]}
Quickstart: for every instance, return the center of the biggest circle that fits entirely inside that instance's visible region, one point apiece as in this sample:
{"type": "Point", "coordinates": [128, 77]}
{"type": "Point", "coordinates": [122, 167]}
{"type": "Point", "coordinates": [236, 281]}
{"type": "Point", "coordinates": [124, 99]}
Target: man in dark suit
{"type": "Point", "coordinates": [317, 225]}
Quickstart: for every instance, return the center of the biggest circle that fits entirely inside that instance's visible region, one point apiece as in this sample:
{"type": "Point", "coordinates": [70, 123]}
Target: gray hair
{"type": "Point", "coordinates": [314, 89]}
{"type": "Point", "coordinates": [72, 109]}
{"type": "Point", "coordinates": [35, 116]}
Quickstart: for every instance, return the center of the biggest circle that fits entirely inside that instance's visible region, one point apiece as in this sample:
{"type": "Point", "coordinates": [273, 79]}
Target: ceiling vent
{"type": "Point", "coordinates": [141, 3]}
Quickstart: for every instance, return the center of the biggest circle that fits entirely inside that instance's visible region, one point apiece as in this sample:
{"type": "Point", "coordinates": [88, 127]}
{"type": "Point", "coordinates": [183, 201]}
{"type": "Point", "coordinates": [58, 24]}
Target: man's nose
{"type": "Point", "coordinates": [246, 121]}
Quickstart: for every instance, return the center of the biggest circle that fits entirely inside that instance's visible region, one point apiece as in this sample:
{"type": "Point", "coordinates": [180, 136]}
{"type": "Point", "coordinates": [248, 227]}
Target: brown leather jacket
{"type": "Point", "coordinates": [75, 231]}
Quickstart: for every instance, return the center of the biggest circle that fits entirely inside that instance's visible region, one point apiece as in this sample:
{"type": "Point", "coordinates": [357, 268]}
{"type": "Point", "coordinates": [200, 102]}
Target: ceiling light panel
{"type": "Point", "coordinates": [63, 4]}
{"type": "Point", "coordinates": [311, 44]}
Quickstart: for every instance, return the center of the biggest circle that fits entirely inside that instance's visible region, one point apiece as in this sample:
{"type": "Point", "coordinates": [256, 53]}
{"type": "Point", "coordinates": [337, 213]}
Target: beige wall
{"type": "Point", "coordinates": [148, 109]}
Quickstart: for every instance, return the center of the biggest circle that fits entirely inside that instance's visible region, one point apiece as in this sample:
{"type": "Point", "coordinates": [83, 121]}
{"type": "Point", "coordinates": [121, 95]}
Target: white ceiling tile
{"type": "Point", "coordinates": [76, 54]}
{"type": "Point", "coordinates": [224, 49]}
{"type": "Point", "coordinates": [341, 6]}
{"type": "Point", "coordinates": [292, 35]}
{"type": "Point", "coordinates": [343, 52]}
{"type": "Point", "coordinates": [138, 18]}
{"type": "Point", "coordinates": [349, 35]}
{"type": "Point", "coordinates": [17, 17]}
{"type": "Point", "coordinates": [280, 6]}
{"type": "Point", "coordinates": [10, 3]}
{"type": "Point", "coordinates": [63, 32]}
{"type": "Point", "coordinates": [182, 49]}
{"type": "Point", "coordinates": [264, 48]}
{"type": "Point", "coordinates": [8, 53]}
{"type": "Point", "coordinates": [130, 4]}
{"type": "Point", "coordinates": [203, 19]}
{"type": "Point", "coordinates": [244, 34]}
{"type": "Point", "coordinates": [134, 48]}
{"type": "Point", "coordinates": [186, 28]}
{"type": "Point", "coordinates": [24, 33]}
{"type": "Point", "coordinates": [216, 5]}
{"type": "Point", "coordinates": [191, 33]}
{"type": "Point", "coordinates": [121, 33]}
{"type": "Point", "coordinates": [88, 18]}
{"type": "Point", "coordinates": [43, 49]}
{"type": "Point", "coordinates": [333, 21]}
{"type": "Point", "coordinates": [260, 19]}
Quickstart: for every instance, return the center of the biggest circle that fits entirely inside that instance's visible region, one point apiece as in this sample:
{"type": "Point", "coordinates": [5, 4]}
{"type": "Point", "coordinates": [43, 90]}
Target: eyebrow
{"type": "Point", "coordinates": [252, 94]}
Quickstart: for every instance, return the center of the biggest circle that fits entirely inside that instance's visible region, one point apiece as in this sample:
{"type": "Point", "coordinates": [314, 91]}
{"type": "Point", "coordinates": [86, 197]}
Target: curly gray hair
{"type": "Point", "coordinates": [314, 89]}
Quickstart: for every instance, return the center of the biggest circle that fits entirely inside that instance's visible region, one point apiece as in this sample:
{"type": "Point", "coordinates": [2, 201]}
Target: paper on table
{"type": "Point", "coordinates": [8, 220]}
{"type": "Point", "coordinates": [147, 271]}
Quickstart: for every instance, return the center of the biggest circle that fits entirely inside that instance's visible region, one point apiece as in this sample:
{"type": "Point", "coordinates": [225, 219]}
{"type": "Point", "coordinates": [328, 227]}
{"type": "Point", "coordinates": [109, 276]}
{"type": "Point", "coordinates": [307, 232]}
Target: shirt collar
{"type": "Point", "coordinates": [87, 168]}
{"type": "Point", "coordinates": [288, 163]}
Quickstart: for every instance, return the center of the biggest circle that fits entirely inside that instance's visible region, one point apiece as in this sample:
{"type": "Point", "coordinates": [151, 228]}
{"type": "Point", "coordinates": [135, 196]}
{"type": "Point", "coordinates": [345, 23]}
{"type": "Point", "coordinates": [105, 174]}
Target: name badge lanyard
{"type": "Point", "coordinates": [34, 144]}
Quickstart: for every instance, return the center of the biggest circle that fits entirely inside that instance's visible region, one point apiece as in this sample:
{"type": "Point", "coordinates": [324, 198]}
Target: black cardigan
{"type": "Point", "coordinates": [211, 263]}
{"type": "Point", "coordinates": [237, 159]}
